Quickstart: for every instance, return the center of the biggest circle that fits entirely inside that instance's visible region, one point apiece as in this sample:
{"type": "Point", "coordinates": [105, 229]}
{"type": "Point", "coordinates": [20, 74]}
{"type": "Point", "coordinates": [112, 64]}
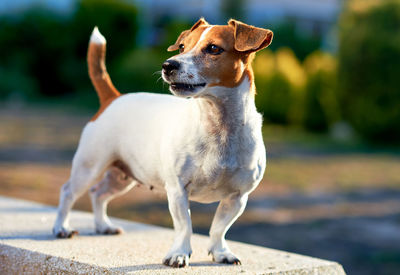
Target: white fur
{"type": "Point", "coordinates": [97, 37]}
{"type": "Point", "coordinates": [206, 148]}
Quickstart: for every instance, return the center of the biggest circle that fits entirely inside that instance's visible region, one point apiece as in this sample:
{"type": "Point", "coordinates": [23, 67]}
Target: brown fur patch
{"type": "Point", "coordinates": [250, 38]}
{"type": "Point", "coordinates": [101, 80]}
{"type": "Point", "coordinates": [191, 40]}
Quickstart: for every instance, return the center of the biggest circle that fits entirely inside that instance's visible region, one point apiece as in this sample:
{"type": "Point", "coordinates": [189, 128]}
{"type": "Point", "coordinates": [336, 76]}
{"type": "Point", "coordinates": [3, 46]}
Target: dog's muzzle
{"type": "Point", "coordinates": [178, 85]}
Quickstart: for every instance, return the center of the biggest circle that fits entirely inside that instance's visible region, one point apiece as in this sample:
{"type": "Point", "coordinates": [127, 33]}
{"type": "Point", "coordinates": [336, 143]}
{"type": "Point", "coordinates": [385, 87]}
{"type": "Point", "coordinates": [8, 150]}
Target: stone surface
{"type": "Point", "coordinates": [27, 246]}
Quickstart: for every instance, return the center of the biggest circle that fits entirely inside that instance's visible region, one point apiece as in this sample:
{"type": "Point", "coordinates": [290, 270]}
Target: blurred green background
{"type": "Point", "coordinates": [328, 88]}
{"type": "Point", "coordinates": [322, 74]}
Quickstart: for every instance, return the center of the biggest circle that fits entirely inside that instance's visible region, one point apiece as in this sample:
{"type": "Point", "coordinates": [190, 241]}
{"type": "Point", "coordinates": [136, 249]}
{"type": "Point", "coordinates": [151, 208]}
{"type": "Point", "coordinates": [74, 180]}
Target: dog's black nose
{"type": "Point", "coordinates": [170, 65]}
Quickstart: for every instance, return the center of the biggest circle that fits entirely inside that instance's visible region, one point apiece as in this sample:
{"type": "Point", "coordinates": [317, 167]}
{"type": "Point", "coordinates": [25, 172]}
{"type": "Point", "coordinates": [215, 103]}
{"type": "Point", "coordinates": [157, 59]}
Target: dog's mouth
{"type": "Point", "coordinates": [184, 87]}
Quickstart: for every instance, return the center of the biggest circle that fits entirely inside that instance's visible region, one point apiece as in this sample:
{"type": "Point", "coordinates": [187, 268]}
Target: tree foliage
{"type": "Point", "coordinates": [369, 68]}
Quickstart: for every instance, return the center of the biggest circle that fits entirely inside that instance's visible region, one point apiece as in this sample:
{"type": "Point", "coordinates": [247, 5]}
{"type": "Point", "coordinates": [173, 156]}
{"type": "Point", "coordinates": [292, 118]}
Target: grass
{"type": "Point", "coordinates": [333, 173]}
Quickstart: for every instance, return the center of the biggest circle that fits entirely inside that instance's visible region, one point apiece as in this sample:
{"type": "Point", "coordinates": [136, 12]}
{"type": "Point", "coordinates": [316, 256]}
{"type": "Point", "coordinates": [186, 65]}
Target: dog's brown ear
{"type": "Point", "coordinates": [249, 38]}
{"type": "Point", "coordinates": [178, 41]}
{"type": "Point", "coordinates": [199, 23]}
{"type": "Point", "coordinates": [186, 33]}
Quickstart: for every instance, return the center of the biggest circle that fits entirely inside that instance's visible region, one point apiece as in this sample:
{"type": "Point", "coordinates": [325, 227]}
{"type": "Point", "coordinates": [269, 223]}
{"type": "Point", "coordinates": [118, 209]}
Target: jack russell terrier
{"type": "Point", "coordinates": [203, 144]}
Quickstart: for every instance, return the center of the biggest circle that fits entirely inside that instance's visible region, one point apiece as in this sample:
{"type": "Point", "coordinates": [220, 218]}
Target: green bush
{"type": "Point", "coordinates": [275, 100]}
{"type": "Point", "coordinates": [279, 77]}
{"type": "Point", "coordinates": [47, 52]}
{"type": "Point", "coordinates": [31, 46]}
{"type": "Point", "coordinates": [290, 92]}
{"type": "Point", "coordinates": [140, 70]}
{"type": "Point", "coordinates": [320, 98]}
{"type": "Point", "coordinates": [302, 43]}
{"type": "Point", "coordinates": [171, 30]}
{"type": "Point", "coordinates": [369, 68]}
{"type": "Point", "coordinates": [16, 82]}
{"type": "Point", "coordinates": [117, 21]}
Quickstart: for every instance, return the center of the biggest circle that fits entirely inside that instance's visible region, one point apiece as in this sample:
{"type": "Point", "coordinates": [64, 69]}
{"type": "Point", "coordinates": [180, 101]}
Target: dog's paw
{"type": "Point", "coordinates": [225, 257]}
{"type": "Point", "coordinates": [112, 230]}
{"type": "Point", "coordinates": [64, 233]}
{"type": "Point", "coordinates": [177, 260]}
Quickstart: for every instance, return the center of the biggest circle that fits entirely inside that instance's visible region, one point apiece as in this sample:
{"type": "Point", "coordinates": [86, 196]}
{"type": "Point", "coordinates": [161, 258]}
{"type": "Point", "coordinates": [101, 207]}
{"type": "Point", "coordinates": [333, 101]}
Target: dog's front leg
{"type": "Point", "coordinates": [178, 204]}
{"type": "Point", "coordinates": [228, 211]}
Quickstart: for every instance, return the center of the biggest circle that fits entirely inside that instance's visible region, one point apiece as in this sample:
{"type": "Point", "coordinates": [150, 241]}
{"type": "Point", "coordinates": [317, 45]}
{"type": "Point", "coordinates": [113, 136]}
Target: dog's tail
{"type": "Point", "coordinates": [97, 70]}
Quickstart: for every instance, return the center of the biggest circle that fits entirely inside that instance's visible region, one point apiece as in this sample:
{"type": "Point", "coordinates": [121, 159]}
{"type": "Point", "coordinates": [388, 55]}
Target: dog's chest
{"type": "Point", "coordinates": [226, 164]}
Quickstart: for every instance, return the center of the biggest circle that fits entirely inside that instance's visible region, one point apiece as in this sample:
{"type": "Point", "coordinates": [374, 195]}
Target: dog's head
{"type": "Point", "coordinates": [213, 55]}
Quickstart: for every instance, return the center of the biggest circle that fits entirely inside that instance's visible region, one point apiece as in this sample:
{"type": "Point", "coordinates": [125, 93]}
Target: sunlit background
{"type": "Point", "coordinates": [328, 88]}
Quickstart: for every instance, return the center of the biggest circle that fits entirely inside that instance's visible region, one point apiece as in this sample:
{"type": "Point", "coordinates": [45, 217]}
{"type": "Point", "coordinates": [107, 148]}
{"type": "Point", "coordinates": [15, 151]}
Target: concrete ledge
{"type": "Point", "coordinates": [27, 246]}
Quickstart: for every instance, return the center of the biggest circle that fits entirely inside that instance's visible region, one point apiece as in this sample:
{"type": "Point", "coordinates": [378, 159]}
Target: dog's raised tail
{"type": "Point", "coordinates": [97, 71]}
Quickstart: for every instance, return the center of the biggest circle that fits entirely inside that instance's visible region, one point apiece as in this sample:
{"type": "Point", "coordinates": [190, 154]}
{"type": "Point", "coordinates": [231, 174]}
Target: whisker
{"type": "Point", "coordinates": [158, 79]}
{"type": "Point", "coordinates": [157, 72]}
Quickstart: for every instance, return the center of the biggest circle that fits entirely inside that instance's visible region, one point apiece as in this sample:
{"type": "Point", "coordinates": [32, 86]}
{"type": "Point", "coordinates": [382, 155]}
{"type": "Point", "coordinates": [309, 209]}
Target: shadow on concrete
{"type": "Point", "coordinates": [161, 266]}
{"type": "Point", "coordinates": [363, 245]}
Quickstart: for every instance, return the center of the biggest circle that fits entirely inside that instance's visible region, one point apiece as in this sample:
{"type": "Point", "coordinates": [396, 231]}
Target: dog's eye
{"type": "Point", "coordinates": [214, 49]}
{"type": "Point", "coordinates": [181, 48]}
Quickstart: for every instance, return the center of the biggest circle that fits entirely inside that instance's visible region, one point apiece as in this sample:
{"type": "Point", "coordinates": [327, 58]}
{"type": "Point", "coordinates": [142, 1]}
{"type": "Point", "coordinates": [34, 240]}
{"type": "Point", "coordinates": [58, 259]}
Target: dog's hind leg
{"type": "Point", "coordinates": [228, 211]}
{"type": "Point", "coordinates": [83, 175]}
{"type": "Point", "coordinates": [115, 183]}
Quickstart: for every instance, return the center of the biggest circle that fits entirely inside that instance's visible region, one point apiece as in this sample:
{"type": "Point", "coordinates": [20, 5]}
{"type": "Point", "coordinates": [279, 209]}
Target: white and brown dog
{"type": "Point", "coordinates": [203, 144]}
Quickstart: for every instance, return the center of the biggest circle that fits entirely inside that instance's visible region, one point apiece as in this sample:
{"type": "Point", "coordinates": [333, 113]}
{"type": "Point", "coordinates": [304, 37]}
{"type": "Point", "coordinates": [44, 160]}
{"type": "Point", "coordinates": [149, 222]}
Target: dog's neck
{"type": "Point", "coordinates": [226, 110]}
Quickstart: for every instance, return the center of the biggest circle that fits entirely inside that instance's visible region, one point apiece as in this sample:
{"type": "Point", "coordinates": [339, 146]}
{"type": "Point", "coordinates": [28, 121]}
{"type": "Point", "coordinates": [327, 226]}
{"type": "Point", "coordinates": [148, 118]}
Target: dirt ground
{"type": "Point", "coordinates": [334, 201]}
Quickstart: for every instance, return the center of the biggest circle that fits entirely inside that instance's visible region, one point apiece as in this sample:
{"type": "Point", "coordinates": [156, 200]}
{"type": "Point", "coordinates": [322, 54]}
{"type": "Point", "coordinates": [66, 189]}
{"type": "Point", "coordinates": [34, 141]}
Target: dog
{"type": "Point", "coordinates": [203, 143]}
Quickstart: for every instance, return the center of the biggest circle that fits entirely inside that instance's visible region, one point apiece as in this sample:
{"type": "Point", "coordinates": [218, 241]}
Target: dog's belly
{"type": "Point", "coordinates": [226, 182]}
{"type": "Point", "coordinates": [209, 195]}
